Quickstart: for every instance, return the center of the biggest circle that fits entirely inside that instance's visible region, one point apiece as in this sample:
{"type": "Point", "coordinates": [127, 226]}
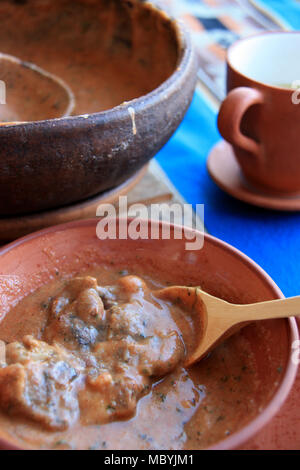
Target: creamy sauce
{"type": "Point", "coordinates": [178, 409]}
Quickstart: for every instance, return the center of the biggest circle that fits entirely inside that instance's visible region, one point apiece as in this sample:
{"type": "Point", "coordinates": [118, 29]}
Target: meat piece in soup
{"type": "Point", "coordinates": [40, 382]}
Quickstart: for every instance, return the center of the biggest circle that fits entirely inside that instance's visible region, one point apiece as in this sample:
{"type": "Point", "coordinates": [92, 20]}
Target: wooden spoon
{"type": "Point", "coordinates": [216, 319]}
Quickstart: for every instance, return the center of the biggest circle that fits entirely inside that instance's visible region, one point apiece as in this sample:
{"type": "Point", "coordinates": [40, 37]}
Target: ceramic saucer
{"type": "Point", "coordinates": [226, 173]}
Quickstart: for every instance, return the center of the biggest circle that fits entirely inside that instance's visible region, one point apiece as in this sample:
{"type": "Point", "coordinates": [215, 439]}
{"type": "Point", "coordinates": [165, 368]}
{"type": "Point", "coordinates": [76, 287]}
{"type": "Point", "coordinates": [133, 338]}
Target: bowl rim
{"type": "Point", "coordinates": [254, 426]}
{"type": "Point", "coordinates": [185, 56]}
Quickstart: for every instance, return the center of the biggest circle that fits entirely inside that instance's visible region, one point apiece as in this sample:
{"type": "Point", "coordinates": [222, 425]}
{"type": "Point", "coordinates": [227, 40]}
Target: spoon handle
{"type": "Point", "coordinates": [281, 308]}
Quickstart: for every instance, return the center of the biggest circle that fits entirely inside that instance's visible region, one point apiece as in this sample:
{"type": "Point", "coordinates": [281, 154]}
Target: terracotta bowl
{"type": "Point", "coordinates": [31, 93]}
{"type": "Point", "coordinates": [132, 71]}
{"type": "Point", "coordinates": [218, 268]}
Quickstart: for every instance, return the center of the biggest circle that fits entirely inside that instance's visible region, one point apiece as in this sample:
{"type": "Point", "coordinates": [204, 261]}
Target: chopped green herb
{"type": "Point", "coordinates": [110, 408]}
{"type": "Point", "coordinates": [220, 418]}
{"type": "Point", "coordinates": [224, 378]}
{"type": "Point", "coordinates": [86, 26]}
{"type": "Point", "coordinates": [61, 443]}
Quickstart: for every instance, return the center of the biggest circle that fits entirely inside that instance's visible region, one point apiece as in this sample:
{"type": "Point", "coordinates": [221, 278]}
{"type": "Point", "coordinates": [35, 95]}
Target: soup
{"type": "Point", "coordinates": [96, 361]}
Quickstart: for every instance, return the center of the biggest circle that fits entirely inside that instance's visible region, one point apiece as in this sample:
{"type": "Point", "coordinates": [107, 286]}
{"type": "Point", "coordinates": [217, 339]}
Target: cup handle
{"type": "Point", "coordinates": [231, 114]}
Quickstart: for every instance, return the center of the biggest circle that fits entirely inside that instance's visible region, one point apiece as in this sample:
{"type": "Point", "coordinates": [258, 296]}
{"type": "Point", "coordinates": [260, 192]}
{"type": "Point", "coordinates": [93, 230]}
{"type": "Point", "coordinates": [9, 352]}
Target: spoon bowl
{"type": "Point", "coordinates": [215, 319]}
{"type": "Point", "coordinates": [29, 93]}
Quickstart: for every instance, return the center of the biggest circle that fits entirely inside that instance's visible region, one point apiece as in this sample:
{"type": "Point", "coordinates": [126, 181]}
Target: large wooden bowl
{"type": "Point", "coordinates": [132, 71]}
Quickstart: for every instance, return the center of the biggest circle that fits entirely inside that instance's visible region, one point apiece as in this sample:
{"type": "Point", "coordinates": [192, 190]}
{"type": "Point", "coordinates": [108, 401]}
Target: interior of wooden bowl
{"type": "Point", "coordinates": [75, 248]}
{"type": "Point", "coordinates": [108, 52]}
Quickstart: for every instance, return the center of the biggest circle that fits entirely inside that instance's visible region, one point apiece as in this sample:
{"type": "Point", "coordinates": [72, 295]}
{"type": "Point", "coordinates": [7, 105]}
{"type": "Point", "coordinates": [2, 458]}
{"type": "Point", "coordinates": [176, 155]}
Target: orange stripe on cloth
{"type": "Point", "coordinates": [230, 23]}
{"type": "Point", "coordinates": [218, 51]}
{"type": "Point", "coordinates": [212, 3]}
{"type": "Point", "coordinates": [192, 22]}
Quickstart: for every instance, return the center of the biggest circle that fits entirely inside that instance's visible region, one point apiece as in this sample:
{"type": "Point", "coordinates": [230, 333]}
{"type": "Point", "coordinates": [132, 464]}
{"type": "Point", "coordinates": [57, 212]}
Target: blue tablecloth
{"type": "Point", "coordinates": [270, 238]}
{"type": "Point", "coordinates": [287, 10]}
